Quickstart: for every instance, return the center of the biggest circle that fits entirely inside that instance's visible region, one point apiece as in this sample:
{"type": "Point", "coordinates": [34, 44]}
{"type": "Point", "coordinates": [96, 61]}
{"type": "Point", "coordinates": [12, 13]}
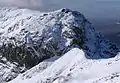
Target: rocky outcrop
{"type": "Point", "coordinates": [29, 37]}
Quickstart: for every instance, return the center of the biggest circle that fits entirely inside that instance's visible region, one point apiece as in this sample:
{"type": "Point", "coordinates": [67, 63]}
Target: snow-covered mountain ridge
{"type": "Point", "coordinates": [28, 37]}
{"type": "Point", "coordinates": [74, 67]}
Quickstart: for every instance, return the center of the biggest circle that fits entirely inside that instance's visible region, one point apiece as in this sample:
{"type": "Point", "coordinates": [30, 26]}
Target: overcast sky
{"type": "Point", "coordinates": [101, 11]}
{"type": "Point", "coordinates": [91, 8]}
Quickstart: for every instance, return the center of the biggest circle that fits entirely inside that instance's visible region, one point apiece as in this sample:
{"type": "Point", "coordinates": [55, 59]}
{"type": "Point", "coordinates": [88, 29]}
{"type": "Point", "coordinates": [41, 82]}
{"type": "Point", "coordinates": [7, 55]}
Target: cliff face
{"type": "Point", "coordinates": [28, 37]}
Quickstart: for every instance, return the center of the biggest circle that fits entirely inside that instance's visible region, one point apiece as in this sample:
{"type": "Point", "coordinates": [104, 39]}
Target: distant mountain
{"type": "Point", "coordinates": [28, 37]}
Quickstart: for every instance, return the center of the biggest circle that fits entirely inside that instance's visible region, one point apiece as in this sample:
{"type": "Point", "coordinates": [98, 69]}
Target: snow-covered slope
{"type": "Point", "coordinates": [73, 67]}
{"type": "Point", "coordinates": [38, 68]}
{"type": "Point", "coordinates": [28, 37]}
{"type": "Point", "coordinates": [60, 68]}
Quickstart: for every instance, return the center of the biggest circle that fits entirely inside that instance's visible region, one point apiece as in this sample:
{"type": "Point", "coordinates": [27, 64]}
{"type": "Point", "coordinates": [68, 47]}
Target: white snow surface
{"type": "Point", "coordinates": [57, 29]}
{"type": "Point", "coordinates": [73, 67]}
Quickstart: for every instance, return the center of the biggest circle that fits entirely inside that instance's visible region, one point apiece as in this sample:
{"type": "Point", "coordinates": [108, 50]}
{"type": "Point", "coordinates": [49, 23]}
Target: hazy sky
{"type": "Point", "coordinates": [91, 8]}
{"type": "Point", "coordinates": [99, 12]}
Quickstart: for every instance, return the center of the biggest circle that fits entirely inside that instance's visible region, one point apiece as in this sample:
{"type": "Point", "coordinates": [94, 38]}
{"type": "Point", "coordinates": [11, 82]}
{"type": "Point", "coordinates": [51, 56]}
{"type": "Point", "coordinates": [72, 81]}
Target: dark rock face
{"type": "Point", "coordinates": [34, 37]}
{"type": "Point", "coordinates": [30, 55]}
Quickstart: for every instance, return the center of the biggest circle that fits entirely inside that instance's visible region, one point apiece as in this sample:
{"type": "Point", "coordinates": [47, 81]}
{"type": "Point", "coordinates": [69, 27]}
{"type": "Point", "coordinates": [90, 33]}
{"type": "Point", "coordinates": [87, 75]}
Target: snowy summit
{"type": "Point", "coordinates": [31, 41]}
